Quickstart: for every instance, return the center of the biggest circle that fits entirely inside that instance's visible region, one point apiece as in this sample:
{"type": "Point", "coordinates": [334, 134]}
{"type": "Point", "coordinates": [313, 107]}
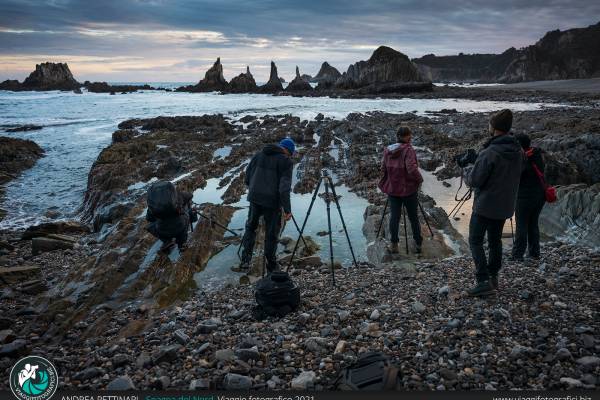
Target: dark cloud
{"type": "Point", "coordinates": [302, 33]}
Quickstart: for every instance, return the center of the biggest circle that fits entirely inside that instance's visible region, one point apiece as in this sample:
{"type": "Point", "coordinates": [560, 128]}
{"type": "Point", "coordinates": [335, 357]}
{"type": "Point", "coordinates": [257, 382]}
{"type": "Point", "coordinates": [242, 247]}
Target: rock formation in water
{"type": "Point", "coordinates": [274, 84]}
{"type": "Point", "coordinates": [47, 76]}
{"type": "Point", "coordinates": [385, 67]}
{"type": "Point", "coordinates": [243, 83]}
{"type": "Point", "coordinates": [103, 87]}
{"type": "Point", "coordinates": [306, 77]}
{"type": "Point", "coordinates": [16, 155]}
{"type": "Point", "coordinates": [387, 71]}
{"type": "Point", "coordinates": [298, 84]}
{"type": "Point", "coordinates": [569, 54]}
{"type": "Point", "coordinates": [213, 81]}
{"type": "Point", "coordinates": [326, 75]}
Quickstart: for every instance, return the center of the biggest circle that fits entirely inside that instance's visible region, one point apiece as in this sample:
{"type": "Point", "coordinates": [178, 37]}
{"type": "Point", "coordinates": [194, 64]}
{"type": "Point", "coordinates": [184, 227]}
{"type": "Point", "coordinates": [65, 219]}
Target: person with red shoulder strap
{"type": "Point", "coordinates": [400, 181]}
{"type": "Point", "coordinates": [531, 199]}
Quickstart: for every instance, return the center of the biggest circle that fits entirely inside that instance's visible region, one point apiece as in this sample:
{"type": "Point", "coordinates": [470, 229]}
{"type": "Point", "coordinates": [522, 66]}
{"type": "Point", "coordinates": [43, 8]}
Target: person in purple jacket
{"type": "Point", "coordinates": [401, 180]}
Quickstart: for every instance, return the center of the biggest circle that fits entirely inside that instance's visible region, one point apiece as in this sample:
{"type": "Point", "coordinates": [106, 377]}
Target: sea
{"type": "Point", "coordinates": [76, 127]}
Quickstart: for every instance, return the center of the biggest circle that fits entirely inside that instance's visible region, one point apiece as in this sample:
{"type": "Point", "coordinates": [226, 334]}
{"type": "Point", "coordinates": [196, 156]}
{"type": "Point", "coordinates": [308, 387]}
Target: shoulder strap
{"type": "Point", "coordinates": [539, 174]}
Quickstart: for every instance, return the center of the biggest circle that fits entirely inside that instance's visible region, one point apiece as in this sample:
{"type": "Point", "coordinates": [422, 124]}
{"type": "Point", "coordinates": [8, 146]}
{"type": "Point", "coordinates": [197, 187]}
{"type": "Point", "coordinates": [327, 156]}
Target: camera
{"type": "Point", "coordinates": [466, 158]}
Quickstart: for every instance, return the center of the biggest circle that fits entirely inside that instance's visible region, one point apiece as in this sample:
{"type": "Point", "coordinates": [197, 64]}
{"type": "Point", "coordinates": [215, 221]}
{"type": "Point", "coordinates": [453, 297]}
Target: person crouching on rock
{"type": "Point", "coordinates": [530, 201]}
{"type": "Point", "coordinates": [170, 214]}
{"type": "Point", "coordinates": [269, 181]}
{"type": "Point", "coordinates": [401, 180]}
{"type": "Point", "coordinates": [494, 179]}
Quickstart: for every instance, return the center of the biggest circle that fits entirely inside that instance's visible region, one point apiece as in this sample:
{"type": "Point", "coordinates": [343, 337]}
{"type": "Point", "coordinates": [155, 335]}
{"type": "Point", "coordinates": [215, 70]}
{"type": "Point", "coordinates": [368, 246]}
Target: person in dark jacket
{"type": "Point", "coordinates": [174, 228]}
{"type": "Point", "coordinates": [494, 179]}
{"type": "Point", "coordinates": [269, 181]}
{"type": "Point", "coordinates": [401, 180]}
{"type": "Point", "coordinates": [530, 201]}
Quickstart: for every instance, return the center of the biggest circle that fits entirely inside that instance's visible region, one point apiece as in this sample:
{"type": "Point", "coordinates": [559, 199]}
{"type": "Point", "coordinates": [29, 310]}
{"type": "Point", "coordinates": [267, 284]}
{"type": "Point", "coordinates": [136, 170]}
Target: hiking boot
{"type": "Point", "coordinates": [494, 281]}
{"type": "Point", "coordinates": [482, 289]}
{"type": "Point", "coordinates": [393, 248]}
{"type": "Point", "coordinates": [244, 266]}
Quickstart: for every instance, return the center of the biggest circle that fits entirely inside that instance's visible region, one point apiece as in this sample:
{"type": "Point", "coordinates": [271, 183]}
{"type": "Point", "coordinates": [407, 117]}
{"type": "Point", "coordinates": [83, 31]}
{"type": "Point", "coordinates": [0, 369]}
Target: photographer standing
{"type": "Point", "coordinates": [494, 179]}
{"type": "Point", "coordinates": [400, 181]}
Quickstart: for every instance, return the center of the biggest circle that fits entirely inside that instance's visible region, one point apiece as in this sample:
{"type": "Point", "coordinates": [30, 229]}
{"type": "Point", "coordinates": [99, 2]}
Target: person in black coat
{"type": "Point", "coordinates": [174, 227]}
{"type": "Point", "coordinates": [269, 181]}
{"type": "Point", "coordinates": [530, 202]}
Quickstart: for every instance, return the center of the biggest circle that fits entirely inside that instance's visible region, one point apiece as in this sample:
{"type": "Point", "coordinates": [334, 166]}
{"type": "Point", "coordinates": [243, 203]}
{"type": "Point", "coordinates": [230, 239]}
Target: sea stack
{"type": "Point", "coordinates": [299, 84]}
{"type": "Point", "coordinates": [386, 70]}
{"type": "Point", "coordinates": [47, 76]}
{"type": "Point", "coordinates": [326, 75]}
{"type": "Point", "coordinates": [213, 79]}
{"type": "Point", "coordinates": [274, 84]}
{"type": "Point", "coordinates": [243, 83]}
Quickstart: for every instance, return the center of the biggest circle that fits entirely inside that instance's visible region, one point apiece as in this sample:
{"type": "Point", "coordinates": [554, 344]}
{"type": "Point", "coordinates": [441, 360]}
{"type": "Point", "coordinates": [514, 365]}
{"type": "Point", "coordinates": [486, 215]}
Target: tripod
{"type": "Point", "coordinates": [330, 195]}
{"type": "Point", "coordinates": [403, 216]}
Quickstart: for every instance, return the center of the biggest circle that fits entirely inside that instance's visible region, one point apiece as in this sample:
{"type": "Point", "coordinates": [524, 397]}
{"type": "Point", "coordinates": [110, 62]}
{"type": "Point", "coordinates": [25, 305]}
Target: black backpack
{"type": "Point", "coordinates": [163, 201]}
{"type": "Point", "coordinates": [372, 371]}
{"type": "Point", "coordinates": [276, 295]}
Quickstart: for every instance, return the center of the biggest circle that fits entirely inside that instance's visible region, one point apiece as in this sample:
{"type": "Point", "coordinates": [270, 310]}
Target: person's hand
{"type": "Point", "coordinates": [287, 216]}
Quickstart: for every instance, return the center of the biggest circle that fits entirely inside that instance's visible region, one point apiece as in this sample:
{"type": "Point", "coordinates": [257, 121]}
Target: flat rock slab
{"type": "Point", "coordinates": [14, 275]}
{"type": "Point", "coordinates": [44, 244]}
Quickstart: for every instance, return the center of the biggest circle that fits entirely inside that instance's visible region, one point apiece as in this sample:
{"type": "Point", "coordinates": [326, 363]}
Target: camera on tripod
{"type": "Point", "coordinates": [466, 158]}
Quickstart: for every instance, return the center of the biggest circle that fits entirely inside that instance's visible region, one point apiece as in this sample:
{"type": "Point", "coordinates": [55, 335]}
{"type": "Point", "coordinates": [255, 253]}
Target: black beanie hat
{"type": "Point", "coordinates": [502, 120]}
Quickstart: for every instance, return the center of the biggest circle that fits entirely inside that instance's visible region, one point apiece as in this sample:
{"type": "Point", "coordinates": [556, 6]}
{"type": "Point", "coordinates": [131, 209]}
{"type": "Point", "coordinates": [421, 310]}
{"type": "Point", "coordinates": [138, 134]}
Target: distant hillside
{"type": "Point", "coordinates": [570, 54]}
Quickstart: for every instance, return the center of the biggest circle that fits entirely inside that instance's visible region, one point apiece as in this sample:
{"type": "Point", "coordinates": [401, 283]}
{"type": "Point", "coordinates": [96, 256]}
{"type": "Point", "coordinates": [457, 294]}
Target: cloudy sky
{"type": "Point", "coordinates": [177, 40]}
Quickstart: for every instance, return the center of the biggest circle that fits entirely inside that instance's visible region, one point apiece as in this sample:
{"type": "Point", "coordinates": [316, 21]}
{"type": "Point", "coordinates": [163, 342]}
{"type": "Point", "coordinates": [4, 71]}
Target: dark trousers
{"type": "Point", "coordinates": [272, 218]}
{"type": "Point", "coordinates": [411, 204]}
{"type": "Point", "coordinates": [181, 237]}
{"type": "Point", "coordinates": [527, 233]}
{"type": "Point", "coordinates": [478, 227]}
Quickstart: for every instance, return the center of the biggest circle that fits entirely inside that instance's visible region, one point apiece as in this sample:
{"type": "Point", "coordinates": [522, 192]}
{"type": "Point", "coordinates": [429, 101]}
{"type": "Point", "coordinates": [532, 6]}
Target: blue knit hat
{"type": "Point", "coordinates": [288, 144]}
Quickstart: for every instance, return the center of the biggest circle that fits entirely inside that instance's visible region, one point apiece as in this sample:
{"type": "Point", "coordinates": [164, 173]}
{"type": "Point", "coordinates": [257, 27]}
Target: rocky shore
{"type": "Point", "coordinates": [111, 313]}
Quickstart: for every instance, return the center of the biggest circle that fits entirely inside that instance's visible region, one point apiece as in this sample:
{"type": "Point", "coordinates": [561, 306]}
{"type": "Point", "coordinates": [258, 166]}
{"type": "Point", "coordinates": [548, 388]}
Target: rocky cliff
{"type": "Point", "coordinates": [47, 76]}
{"type": "Point", "coordinates": [274, 84]}
{"type": "Point", "coordinates": [569, 54]}
{"type": "Point", "coordinates": [213, 80]}
{"type": "Point", "coordinates": [243, 83]}
{"type": "Point", "coordinates": [386, 66]}
{"type": "Point", "coordinates": [299, 84]}
{"type": "Point", "coordinates": [327, 74]}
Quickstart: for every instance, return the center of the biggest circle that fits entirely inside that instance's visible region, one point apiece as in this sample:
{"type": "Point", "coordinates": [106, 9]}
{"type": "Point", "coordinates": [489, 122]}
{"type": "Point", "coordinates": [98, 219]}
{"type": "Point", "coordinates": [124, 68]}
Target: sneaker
{"type": "Point", "coordinates": [481, 289]}
{"type": "Point", "coordinates": [494, 281]}
{"type": "Point", "coordinates": [393, 248]}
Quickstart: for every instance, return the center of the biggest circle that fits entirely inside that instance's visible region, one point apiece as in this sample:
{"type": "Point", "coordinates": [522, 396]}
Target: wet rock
{"type": "Point", "coordinates": [44, 244]}
{"type": "Point", "coordinates": [17, 155]}
{"type": "Point", "coordinates": [199, 384]}
{"type": "Point", "coordinates": [224, 355]}
{"type": "Point", "coordinates": [121, 383]}
{"type": "Point", "coordinates": [304, 381]}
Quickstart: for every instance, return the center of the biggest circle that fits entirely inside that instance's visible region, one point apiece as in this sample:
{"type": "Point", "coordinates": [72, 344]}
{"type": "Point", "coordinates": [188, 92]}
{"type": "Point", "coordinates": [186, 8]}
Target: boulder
{"type": "Point", "coordinates": [304, 381]}
{"type": "Point", "coordinates": [243, 83]}
{"type": "Point", "coordinates": [386, 66]}
{"type": "Point", "coordinates": [274, 84]}
{"type": "Point", "coordinates": [21, 273]}
{"type": "Point", "coordinates": [237, 382]}
{"type": "Point", "coordinates": [121, 383]}
{"type": "Point", "coordinates": [298, 84]}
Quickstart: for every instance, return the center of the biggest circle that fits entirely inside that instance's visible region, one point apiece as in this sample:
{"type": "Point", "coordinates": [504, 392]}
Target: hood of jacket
{"type": "Point", "coordinates": [505, 146]}
{"type": "Point", "coordinates": [397, 149]}
{"type": "Point", "coordinates": [272, 149]}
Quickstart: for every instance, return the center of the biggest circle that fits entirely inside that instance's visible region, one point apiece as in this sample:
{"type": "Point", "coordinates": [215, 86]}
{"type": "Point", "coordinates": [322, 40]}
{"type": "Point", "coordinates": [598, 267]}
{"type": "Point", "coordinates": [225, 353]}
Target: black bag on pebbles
{"type": "Point", "coordinates": [372, 371]}
{"type": "Point", "coordinates": [276, 295]}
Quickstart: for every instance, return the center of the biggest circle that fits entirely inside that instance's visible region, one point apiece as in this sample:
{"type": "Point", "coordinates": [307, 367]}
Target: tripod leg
{"type": "Point", "coordinates": [328, 202]}
{"type": "Point", "coordinates": [425, 218]}
{"type": "Point", "coordinates": [512, 232]}
{"type": "Point", "coordinates": [312, 202]}
{"type": "Point", "coordinates": [298, 229]}
{"type": "Point", "coordinates": [337, 203]}
{"type": "Point", "coordinates": [382, 217]}
{"type": "Point", "coordinates": [403, 210]}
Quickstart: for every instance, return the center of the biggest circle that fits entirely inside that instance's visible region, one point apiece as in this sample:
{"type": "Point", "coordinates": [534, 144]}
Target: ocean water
{"type": "Point", "coordinates": [77, 127]}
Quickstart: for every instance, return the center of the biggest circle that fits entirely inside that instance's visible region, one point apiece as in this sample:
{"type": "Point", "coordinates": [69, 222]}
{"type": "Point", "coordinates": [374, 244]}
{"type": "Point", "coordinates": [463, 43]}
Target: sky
{"type": "Point", "coordinates": [178, 40]}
